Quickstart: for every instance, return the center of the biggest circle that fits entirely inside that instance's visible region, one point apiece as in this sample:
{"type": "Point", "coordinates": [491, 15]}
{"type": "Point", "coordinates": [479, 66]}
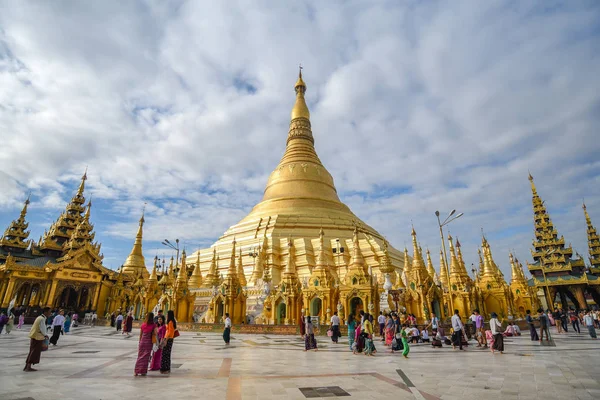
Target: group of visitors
{"type": "Point", "coordinates": [124, 324]}
{"type": "Point", "coordinates": [156, 343]}
{"type": "Point", "coordinates": [560, 319]}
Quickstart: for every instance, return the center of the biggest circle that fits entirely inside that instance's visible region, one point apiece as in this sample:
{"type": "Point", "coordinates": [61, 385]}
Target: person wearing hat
{"type": "Point", "coordinates": [496, 328]}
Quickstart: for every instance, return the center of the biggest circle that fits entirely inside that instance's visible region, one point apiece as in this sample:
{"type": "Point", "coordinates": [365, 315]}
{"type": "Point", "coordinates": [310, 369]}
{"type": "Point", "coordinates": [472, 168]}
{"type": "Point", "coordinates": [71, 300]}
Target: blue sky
{"type": "Point", "coordinates": [415, 106]}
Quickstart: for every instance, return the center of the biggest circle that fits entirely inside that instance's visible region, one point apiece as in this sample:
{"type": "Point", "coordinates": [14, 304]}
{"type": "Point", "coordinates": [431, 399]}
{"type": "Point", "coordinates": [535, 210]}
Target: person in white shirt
{"type": "Point", "coordinates": [57, 327]}
{"type": "Point", "coordinates": [414, 334]}
{"type": "Point", "coordinates": [335, 327]}
{"type": "Point", "coordinates": [588, 321]}
{"type": "Point", "coordinates": [94, 318]}
{"type": "Point", "coordinates": [473, 319]}
{"type": "Point", "coordinates": [496, 328]}
{"type": "Point", "coordinates": [425, 336]}
{"type": "Point", "coordinates": [227, 330]}
{"type": "Point", "coordinates": [517, 330]}
{"type": "Point", "coordinates": [458, 327]}
{"type": "Point", "coordinates": [381, 322]}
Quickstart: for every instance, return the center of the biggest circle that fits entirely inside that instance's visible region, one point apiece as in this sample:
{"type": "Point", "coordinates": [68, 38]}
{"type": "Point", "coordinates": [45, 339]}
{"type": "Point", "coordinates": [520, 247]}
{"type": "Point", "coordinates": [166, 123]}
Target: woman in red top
{"type": "Point", "coordinates": [161, 330]}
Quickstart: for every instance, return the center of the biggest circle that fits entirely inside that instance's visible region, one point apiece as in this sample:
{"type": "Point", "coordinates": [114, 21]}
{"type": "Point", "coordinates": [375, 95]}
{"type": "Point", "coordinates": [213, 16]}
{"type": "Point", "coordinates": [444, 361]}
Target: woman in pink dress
{"type": "Point", "coordinates": [147, 339]}
{"type": "Point", "coordinates": [21, 320]}
{"type": "Point", "coordinates": [160, 334]}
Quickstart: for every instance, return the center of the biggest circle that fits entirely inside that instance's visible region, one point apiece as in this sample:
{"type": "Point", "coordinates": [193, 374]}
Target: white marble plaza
{"type": "Point", "coordinates": [97, 363]}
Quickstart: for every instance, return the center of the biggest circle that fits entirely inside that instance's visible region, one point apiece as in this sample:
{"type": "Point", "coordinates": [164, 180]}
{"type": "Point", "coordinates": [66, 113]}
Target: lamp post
{"type": "Point", "coordinates": [174, 247]}
{"type": "Point", "coordinates": [441, 224]}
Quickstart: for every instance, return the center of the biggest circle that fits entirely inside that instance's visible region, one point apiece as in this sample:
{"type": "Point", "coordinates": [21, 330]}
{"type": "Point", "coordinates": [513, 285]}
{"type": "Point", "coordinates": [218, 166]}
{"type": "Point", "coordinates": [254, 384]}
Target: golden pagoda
{"type": "Point", "coordinates": [300, 200]}
{"type": "Point", "coordinates": [461, 287]}
{"type": "Point", "coordinates": [422, 295]}
{"type": "Point", "coordinates": [554, 269]}
{"type": "Point", "coordinates": [524, 297]}
{"type": "Point", "coordinates": [496, 295]}
{"type": "Point", "coordinates": [136, 263]}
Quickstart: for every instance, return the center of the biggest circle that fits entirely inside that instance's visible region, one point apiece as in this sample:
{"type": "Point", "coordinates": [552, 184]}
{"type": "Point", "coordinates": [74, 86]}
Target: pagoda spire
{"type": "Point", "coordinates": [358, 261]}
{"type": "Point", "coordinates": [290, 266]}
{"type": "Point", "coordinates": [212, 277]}
{"type": "Point", "coordinates": [16, 234]}
{"type": "Point", "coordinates": [182, 277]}
{"type": "Point", "coordinates": [321, 261]}
{"type": "Point", "coordinates": [488, 268]}
{"type": "Point", "coordinates": [431, 269]}
{"type": "Point", "coordinates": [82, 184]}
{"type": "Point", "coordinates": [83, 233]}
{"type": "Point", "coordinates": [300, 109]}
{"type": "Point", "coordinates": [135, 262]}
{"type": "Point", "coordinates": [240, 270]}
{"type": "Point", "coordinates": [153, 275]}
{"type": "Point", "coordinates": [443, 270]}
{"type": "Point", "coordinates": [232, 272]}
{"type": "Point", "coordinates": [593, 242]}
{"type": "Point", "coordinates": [516, 275]}
{"type": "Point", "coordinates": [195, 281]}
{"type": "Point", "coordinates": [419, 271]}
{"type": "Point", "coordinates": [454, 266]}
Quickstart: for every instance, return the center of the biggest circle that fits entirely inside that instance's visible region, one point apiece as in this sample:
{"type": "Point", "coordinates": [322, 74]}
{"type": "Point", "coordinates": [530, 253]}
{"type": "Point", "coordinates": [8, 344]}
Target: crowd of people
{"type": "Point", "coordinates": [396, 332]}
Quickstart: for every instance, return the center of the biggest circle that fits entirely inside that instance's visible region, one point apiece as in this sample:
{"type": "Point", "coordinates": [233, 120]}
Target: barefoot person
{"type": "Point", "coordinates": [57, 327]}
{"type": "Point", "coordinates": [496, 328]}
{"type": "Point", "coordinates": [227, 330]}
{"type": "Point", "coordinates": [37, 335]}
{"type": "Point", "coordinates": [147, 340]}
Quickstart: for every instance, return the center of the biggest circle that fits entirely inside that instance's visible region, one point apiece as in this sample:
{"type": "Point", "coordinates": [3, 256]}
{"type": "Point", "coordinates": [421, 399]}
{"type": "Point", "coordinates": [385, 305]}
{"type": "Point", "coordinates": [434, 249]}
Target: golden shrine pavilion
{"type": "Point", "coordinates": [564, 279]}
{"type": "Point", "coordinates": [63, 269]}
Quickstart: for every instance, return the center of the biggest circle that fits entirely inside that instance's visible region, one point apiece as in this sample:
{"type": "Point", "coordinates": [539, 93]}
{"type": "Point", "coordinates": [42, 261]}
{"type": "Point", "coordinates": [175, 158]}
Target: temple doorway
{"type": "Point", "coordinates": [315, 307]}
{"type": "Point", "coordinates": [356, 305]}
{"type": "Point", "coordinates": [67, 299]}
{"type": "Point", "coordinates": [435, 307]}
{"type": "Point", "coordinates": [280, 313]}
{"type": "Point", "coordinates": [219, 311]}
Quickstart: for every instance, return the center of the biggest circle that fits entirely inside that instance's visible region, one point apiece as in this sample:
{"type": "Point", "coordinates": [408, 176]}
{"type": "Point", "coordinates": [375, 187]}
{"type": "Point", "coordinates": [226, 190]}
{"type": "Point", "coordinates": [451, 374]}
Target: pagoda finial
{"type": "Point", "coordinates": [153, 277]}
{"type": "Point", "coordinates": [195, 281]}
{"type": "Point", "coordinates": [300, 109]}
{"type": "Point", "coordinates": [290, 267]}
{"type": "Point", "coordinates": [240, 269]}
{"type": "Point", "coordinates": [232, 271]}
{"type": "Point", "coordinates": [82, 184]}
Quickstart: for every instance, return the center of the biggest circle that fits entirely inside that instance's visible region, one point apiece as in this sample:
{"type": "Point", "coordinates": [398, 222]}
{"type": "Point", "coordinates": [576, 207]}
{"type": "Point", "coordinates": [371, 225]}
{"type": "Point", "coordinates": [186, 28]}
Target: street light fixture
{"type": "Point", "coordinates": [174, 247]}
{"type": "Point", "coordinates": [441, 224]}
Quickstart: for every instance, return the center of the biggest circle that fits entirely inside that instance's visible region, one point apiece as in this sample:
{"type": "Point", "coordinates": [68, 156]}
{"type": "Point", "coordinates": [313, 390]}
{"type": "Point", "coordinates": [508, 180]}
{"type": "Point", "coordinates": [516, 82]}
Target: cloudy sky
{"type": "Point", "coordinates": [416, 106]}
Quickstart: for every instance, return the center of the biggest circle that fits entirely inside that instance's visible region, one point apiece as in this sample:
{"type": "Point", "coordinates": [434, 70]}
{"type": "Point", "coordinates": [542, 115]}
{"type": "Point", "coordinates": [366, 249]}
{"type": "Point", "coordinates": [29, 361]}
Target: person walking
{"type": "Point", "coordinates": [588, 321]}
{"type": "Point", "coordinates": [574, 321]}
{"type": "Point", "coordinates": [310, 343]}
{"type": "Point", "coordinates": [67, 324]}
{"type": "Point", "coordinates": [113, 317]}
{"type": "Point", "coordinates": [473, 318]}
{"type": "Point", "coordinates": [564, 320]}
{"type": "Point", "coordinates": [3, 321]}
{"type": "Point", "coordinates": [389, 330]}
{"type": "Point", "coordinates": [367, 329]}
{"type": "Point", "coordinates": [57, 327]}
{"type": "Point", "coordinates": [161, 330]}
{"type": "Point", "coordinates": [496, 328]}
{"type": "Point", "coordinates": [227, 330]}
{"type": "Point", "coordinates": [128, 324]}
{"type": "Point", "coordinates": [351, 331]}
{"type": "Point", "coordinates": [21, 320]}
{"type": "Point", "coordinates": [404, 333]}
{"type": "Point", "coordinates": [119, 321]}
{"type": "Point", "coordinates": [532, 332]}
{"type": "Point", "coordinates": [10, 323]}
{"type": "Point", "coordinates": [147, 340]}
{"type": "Point", "coordinates": [381, 322]}
{"type": "Point", "coordinates": [479, 330]}
{"type": "Point", "coordinates": [457, 327]}
{"type": "Point", "coordinates": [335, 327]}
{"type": "Point", "coordinates": [94, 318]}
{"type": "Point", "coordinates": [544, 325]}
{"type": "Point", "coordinates": [37, 335]}
{"type": "Point", "coordinates": [170, 334]}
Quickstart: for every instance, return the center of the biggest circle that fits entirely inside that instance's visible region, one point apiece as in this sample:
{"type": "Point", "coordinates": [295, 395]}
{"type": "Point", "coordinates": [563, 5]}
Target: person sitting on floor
{"type": "Point", "coordinates": [415, 335]}
{"type": "Point", "coordinates": [517, 330]}
{"type": "Point", "coordinates": [424, 336]}
{"type": "Point", "coordinates": [510, 330]}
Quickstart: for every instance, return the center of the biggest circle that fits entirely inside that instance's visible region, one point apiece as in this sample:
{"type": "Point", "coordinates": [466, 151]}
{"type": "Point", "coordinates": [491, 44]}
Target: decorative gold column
{"type": "Point", "coordinates": [578, 291]}
{"type": "Point", "coordinates": [9, 293]}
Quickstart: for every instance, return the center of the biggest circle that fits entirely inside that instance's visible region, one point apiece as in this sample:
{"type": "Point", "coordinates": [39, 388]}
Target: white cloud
{"type": "Point", "coordinates": [456, 102]}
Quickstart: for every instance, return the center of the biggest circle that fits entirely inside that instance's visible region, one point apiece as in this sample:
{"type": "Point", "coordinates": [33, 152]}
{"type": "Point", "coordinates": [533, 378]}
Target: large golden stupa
{"type": "Point", "coordinates": [300, 214]}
